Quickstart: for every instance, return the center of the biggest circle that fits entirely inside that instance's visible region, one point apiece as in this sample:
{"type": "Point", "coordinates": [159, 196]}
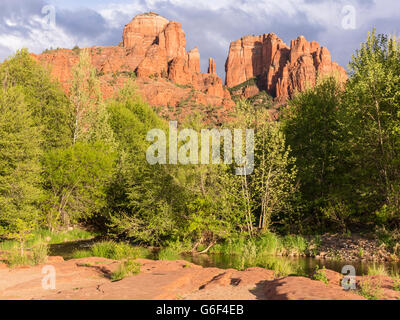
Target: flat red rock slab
{"type": "Point", "coordinates": [300, 288]}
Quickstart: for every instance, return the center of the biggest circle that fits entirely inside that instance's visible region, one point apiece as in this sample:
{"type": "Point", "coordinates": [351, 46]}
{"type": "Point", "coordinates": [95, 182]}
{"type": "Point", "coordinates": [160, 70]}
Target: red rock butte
{"type": "Point", "coordinates": [154, 49]}
{"type": "Point", "coordinates": [276, 68]}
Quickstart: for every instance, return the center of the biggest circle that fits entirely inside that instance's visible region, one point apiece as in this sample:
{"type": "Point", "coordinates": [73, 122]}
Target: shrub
{"type": "Point", "coordinates": [320, 275]}
{"type": "Point", "coordinates": [295, 245]}
{"type": "Point", "coordinates": [126, 269]}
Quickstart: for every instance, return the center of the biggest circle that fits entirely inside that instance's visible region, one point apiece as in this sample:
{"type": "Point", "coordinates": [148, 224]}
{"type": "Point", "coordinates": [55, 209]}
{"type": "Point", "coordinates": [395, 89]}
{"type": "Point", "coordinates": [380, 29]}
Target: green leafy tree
{"type": "Point", "coordinates": [141, 196]}
{"type": "Point", "coordinates": [90, 115]}
{"type": "Point", "coordinates": [20, 152]}
{"type": "Point", "coordinates": [77, 179]}
{"type": "Point", "coordinates": [268, 193]}
{"type": "Point", "coordinates": [44, 98]}
{"type": "Point", "coordinates": [274, 175]}
{"type": "Point", "coordinates": [370, 116]}
{"type": "Point", "coordinates": [312, 127]}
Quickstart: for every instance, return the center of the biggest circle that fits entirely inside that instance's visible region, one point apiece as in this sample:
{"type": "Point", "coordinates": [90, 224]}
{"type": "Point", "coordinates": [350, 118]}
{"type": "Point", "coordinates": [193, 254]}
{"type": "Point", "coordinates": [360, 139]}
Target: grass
{"type": "Point", "coordinates": [266, 251]}
{"type": "Point", "coordinates": [45, 236]}
{"type": "Point", "coordinates": [112, 250]}
{"type": "Point", "coordinates": [14, 258]}
{"type": "Point", "coordinates": [35, 256]}
{"type": "Point", "coordinates": [169, 253]}
{"type": "Point", "coordinates": [268, 243]}
{"type": "Point", "coordinates": [281, 267]}
{"type": "Point", "coordinates": [377, 270]}
{"type": "Point", "coordinates": [295, 245]}
{"type": "Point", "coordinates": [370, 291]}
{"type": "Point", "coordinates": [126, 269]}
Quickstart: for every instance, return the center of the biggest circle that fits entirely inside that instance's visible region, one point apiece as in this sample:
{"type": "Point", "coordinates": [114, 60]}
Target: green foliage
{"type": "Point", "coordinates": [15, 258]}
{"type": "Point", "coordinates": [44, 235]}
{"type": "Point", "coordinates": [126, 269]}
{"type": "Point", "coordinates": [320, 275]}
{"type": "Point", "coordinates": [371, 121]}
{"type": "Point", "coordinates": [168, 253]}
{"type": "Point", "coordinates": [39, 253]}
{"type": "Point", "coordinates": [77, 180]}
{"type": "Point", "coordinates": [44, 99]}
{"type": "Point", "coordinates": [141, 196]}
{"type": "Point", "coordinates": [311, 125]}
{"type": "Point", "coordinates": [20, 179]}
{"type": "Point", "coordinates": [370, 290]}
{"type": "Point", "coordinates": [36, 255]}
{"type": "Point", "coordinates": [266, 244]}
{"type": "Point", "coordinates": [267, 194]}
{"type": "Point", "coordinates": [396, 284]}
{"type": "Point", "coordinates": [377, 270]}
{"type": "Point", "coordinates": [90, 116]}
{"type": "Point", "coordinates": [112, 250]}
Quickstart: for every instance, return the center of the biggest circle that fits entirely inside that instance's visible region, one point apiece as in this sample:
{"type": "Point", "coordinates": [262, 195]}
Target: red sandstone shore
{"type": "Point", "coordinates": [89, 279]}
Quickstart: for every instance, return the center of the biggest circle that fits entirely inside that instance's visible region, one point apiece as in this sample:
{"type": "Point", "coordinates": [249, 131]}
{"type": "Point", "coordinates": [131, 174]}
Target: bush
{"type": "Point", "coordinates": [295, 245]}
{"type": "Point", "coordinates": [126, 269]}
{"type": "Point", "coordinates": [320, 275]}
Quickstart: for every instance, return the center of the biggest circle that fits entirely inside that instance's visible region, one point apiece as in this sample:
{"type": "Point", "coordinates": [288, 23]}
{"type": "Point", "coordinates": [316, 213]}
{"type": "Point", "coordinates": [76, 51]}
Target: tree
{"type": "Point", "coordinates": [142, 196]}
{"type": "Point", "coordinates": [275, 174]}
{"type": "Point", "coordinates": [20, 152]}
{"type": "Point", "coordinates": [268, 192]}
{"type": "Point", "coordinates": [371, 117]}
{"type": "Point", "coordinates": [90, 115]}
{"type": "Point", "coordinates": [312, 127]}
{"type": "Point", "coordinates": [45, 99]}
{"type": "Point", "coordinates": [77, 179]}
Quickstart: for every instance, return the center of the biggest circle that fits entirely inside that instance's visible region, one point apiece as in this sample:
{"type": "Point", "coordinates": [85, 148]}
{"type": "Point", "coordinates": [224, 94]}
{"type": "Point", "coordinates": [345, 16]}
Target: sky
{"type": "Point", "coordinates": [211, 25]}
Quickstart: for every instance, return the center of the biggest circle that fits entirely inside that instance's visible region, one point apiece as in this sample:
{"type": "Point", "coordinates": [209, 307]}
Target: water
{"type": "Point", "coordinates": [226, 261]}
{"type": "Point", "coordinates": [67, 249]}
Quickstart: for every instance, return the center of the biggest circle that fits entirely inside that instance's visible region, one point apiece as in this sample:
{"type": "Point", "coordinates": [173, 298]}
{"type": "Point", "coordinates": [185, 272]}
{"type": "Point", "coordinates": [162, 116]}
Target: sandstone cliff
{"type": "Point", "coordinates": [266, 63]}
{"type": "Point", "coordinates": [154, 50]}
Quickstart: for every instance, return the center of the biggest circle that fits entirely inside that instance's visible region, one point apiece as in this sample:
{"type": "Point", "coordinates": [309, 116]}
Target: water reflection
{"type": "Point", "coordinates": [304, 266]}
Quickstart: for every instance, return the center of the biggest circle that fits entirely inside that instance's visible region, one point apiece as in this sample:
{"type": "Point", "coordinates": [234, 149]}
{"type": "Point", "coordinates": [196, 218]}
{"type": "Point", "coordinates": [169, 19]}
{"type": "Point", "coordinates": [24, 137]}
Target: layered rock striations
{"type": "Point", "coordinates": [267, 63]}
{"type": "Point", "coordinates": [155, 49]}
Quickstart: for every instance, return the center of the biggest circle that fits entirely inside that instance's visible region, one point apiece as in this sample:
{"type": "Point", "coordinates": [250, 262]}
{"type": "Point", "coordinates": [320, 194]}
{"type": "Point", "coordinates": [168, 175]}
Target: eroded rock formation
{"type": "Point", "coordinates": [267, 63]}
{"type": "Point", "coordinates": [155, 49]}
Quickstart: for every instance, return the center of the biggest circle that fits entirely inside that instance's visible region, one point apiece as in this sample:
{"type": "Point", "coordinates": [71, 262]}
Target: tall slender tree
{"type": "Point", "coordinates": [20, 178]}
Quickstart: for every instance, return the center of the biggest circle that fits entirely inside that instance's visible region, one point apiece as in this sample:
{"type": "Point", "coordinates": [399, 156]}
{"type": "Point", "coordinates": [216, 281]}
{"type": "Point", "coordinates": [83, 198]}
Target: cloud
{"type": "Point", "coordinates": [209, 24]}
